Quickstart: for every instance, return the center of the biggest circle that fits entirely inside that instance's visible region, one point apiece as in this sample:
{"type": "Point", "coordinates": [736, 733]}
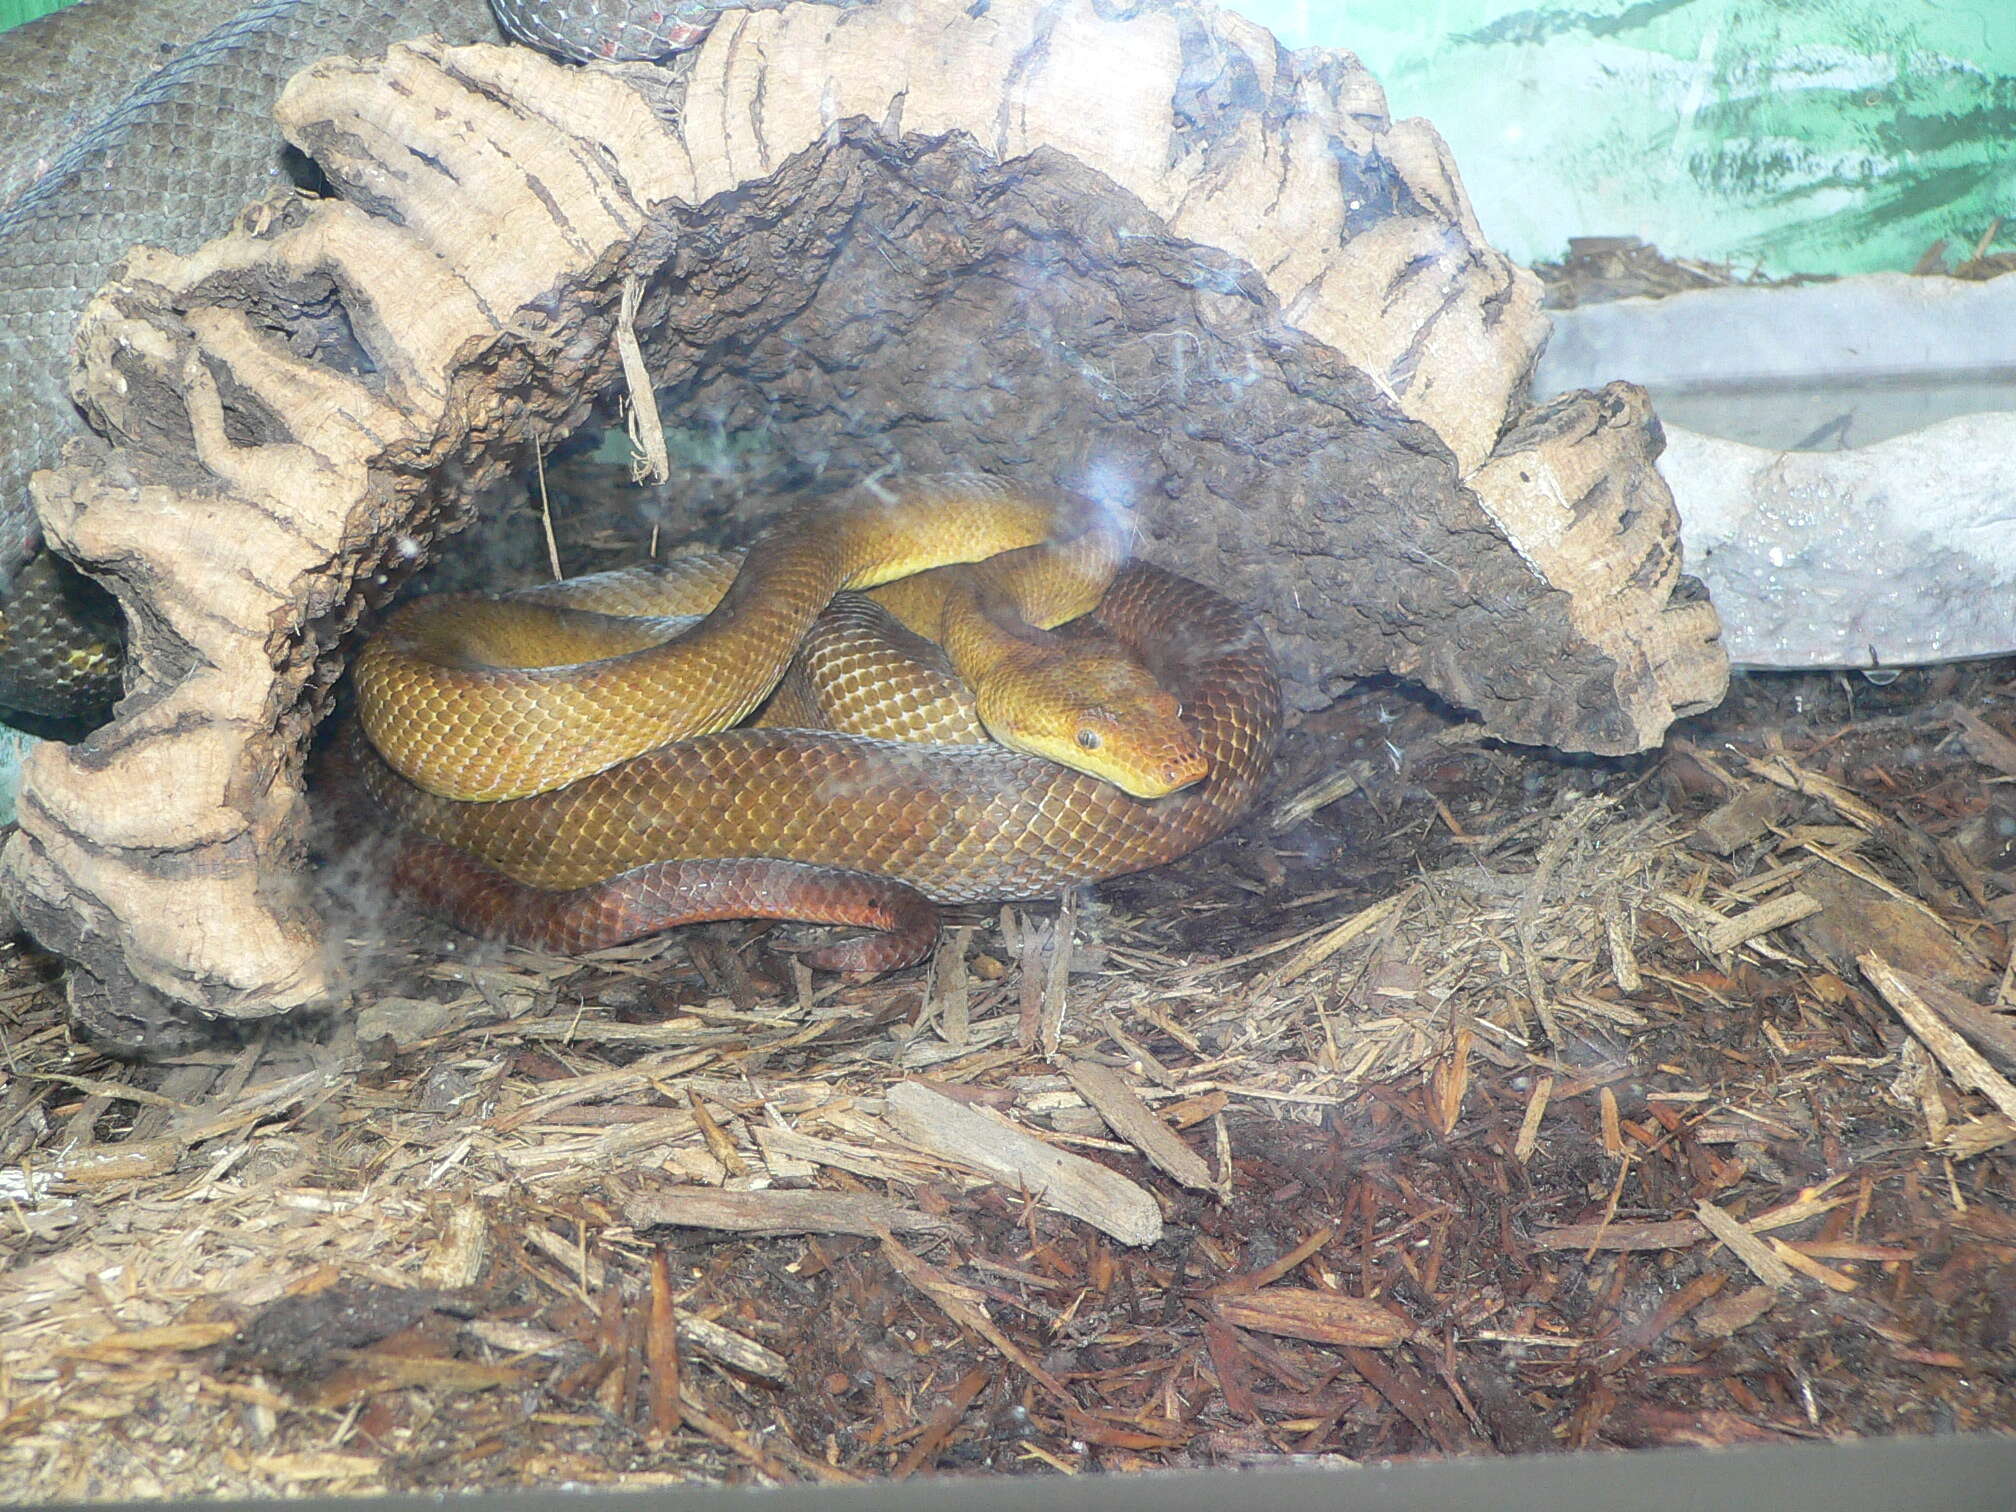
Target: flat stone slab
{"type": "Point", "coordinates": [1884, 325]}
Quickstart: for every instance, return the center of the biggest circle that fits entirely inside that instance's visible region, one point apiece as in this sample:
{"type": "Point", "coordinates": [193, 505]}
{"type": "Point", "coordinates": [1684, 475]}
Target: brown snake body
{"type": "Point", "coordinates": [595, 862]}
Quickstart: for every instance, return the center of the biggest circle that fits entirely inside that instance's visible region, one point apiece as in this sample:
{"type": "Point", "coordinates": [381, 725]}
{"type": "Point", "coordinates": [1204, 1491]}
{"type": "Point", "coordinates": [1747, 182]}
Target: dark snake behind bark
{"type": "Point", "coordinates": [150, 122]}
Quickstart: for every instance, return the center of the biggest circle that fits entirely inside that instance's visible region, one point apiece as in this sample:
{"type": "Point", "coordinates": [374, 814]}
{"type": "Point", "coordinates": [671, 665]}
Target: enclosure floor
{"type": "Point", "coordinates": [411, 1250]}
{"type": "Point", "coordinates": [1582, 1098]}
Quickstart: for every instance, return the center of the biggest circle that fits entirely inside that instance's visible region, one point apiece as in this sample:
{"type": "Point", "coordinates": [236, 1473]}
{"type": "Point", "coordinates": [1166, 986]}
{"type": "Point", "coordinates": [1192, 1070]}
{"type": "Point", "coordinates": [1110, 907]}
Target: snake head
{"type": "Point", "coordinates": [1099, 711]}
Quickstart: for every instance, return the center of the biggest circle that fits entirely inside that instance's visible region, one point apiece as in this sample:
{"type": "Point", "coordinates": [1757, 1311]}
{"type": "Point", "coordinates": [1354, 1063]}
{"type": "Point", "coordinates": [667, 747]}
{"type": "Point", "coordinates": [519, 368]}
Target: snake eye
{"type": "Point", "coordinates": [1089, 739]}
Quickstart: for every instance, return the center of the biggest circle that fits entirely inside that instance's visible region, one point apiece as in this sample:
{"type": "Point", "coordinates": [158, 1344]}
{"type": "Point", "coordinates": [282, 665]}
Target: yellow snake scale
{"type": "Point", "coordinates": [802, 824]}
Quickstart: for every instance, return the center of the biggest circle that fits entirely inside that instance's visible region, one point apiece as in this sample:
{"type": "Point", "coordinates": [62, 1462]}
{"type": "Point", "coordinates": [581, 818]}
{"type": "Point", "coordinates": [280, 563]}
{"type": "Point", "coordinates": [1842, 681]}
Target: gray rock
{"type": "Point", "coordinates": [1892, 552]}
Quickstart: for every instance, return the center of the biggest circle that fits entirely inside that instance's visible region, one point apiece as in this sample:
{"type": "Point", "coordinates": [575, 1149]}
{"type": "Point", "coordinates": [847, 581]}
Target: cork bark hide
{"type": "Point", "coordinates": [1155, 256]}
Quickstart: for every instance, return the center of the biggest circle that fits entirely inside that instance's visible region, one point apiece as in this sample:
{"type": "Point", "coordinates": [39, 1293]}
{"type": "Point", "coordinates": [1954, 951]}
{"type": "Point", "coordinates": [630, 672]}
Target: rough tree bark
{"type": "Point", "coordinates": [1154, 255]}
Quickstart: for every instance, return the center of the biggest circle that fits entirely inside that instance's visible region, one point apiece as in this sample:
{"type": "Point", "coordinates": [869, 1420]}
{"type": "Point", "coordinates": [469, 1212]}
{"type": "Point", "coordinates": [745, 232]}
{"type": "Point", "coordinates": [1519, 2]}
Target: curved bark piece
{"type": "Point", "coordinates": [257, 487]}
{"type": "Point", "coordinates": [1008, 269]}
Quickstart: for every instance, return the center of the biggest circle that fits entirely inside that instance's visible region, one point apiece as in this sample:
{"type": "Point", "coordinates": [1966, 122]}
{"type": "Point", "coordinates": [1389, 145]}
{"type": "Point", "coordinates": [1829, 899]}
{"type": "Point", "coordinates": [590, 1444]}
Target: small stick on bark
{"type": "Point", "coordinates": [662, 1349]}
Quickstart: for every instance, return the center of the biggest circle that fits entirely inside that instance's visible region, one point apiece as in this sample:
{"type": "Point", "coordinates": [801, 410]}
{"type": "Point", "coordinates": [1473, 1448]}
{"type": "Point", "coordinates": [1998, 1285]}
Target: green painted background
{"type": "Point", "coordinates": [14, 12]}
{"type": "Point", "coordinates": [1804, 135]}
{"type": "Point", "coordinates": [1840, 136]}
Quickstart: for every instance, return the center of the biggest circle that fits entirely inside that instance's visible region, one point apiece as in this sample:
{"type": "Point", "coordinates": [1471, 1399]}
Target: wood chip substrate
{"type": "Point", "coordinates": [1463, 1102]}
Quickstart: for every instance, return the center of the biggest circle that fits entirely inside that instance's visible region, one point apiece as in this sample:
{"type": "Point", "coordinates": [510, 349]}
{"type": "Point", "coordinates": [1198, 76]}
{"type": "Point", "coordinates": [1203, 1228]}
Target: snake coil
{"type": "Point", "coordinates": [801, 824]}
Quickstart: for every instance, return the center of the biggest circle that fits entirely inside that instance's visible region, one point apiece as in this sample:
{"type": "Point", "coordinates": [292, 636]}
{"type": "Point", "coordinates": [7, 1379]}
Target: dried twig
{"type": "Point", "coordinates": [1055, 1178]}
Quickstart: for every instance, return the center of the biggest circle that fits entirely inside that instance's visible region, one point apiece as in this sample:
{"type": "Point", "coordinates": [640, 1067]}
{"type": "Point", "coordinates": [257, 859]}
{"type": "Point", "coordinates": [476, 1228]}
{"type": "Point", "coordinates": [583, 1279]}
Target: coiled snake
{"type": "Point", "coordinates": [108, 147]}
{"type": "Point", "coordinates": [786, 822]}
